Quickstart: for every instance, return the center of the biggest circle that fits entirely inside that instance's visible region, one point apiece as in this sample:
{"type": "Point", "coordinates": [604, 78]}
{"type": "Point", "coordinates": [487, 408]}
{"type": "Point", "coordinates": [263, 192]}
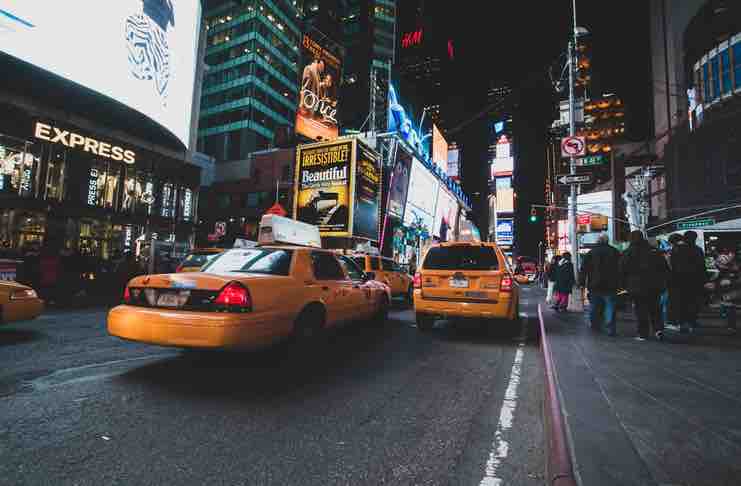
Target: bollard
{"type": "Point", "coordinates": [732, 316]}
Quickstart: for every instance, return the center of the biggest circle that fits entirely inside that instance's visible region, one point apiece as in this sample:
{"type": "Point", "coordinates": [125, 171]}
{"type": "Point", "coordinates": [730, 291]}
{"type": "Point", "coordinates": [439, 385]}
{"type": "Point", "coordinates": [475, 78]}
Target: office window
{"type": "Point", "coordinates": [715, 72]}
{"type": "Point", "coordinates": [725, 61]}
{"type": "Point", "coordinates": [706, 83]}
{"type": "Point", "coordinates": [737, 64]}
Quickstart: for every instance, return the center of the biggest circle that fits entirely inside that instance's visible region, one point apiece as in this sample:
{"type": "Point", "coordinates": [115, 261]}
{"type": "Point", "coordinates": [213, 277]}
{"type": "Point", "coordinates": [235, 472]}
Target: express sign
{"type": "Point", "coordinates": [71, 139]}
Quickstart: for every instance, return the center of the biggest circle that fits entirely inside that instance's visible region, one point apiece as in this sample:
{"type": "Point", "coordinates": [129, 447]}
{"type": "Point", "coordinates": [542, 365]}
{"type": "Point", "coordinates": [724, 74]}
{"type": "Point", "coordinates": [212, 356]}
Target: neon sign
{"type": "Point", "coordinates": [412, 38]}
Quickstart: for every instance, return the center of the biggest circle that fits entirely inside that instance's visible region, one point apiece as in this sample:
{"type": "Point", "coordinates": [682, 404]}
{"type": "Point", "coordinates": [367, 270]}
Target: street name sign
{"type": "Point", "coordinates": [573, 147]}
{"type": "Point", "coordinates": [591, 160]}
{"type": "Point", "coordinates": [568, 179]}
{"type": "Point", "coordinates": [695, 223]}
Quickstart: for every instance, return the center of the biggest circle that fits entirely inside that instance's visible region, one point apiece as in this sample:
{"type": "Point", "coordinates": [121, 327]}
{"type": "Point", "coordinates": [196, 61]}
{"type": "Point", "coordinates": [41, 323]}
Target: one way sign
{"type": "Point", "coordinates": [569, 179]}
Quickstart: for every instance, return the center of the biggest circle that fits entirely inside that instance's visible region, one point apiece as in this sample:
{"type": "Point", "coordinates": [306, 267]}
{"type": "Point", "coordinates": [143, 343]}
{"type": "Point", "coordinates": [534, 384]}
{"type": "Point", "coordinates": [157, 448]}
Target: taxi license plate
{"type": "Point", "coordinates": [476, 295]}
{"type": "Point", "coordinates": [459, 283]}
{"type": "Point", "coordinates": [168, 300]}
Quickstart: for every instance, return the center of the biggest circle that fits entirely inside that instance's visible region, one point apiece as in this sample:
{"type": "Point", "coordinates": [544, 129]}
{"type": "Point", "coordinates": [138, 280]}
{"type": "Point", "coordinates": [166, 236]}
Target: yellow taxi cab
{"type": "Point", "coordinates": [196, 259]}
{"type": "Point", "coordinates": [464, 280]}
{"type": "Point", "coordinates": [251, 297]}
{"type": "Point", "coordinates": [18, 302]}
{"type": "Point", "coordinates": [388, 271]}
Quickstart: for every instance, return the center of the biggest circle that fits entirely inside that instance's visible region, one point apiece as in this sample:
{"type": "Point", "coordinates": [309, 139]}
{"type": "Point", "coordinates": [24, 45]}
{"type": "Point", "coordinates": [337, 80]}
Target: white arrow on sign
{"type": "Point", "coordinates": [575, 179]}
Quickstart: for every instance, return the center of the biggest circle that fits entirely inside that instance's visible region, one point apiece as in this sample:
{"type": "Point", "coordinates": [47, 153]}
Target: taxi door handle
{"type": "Point", "coordinates": [325, 288]}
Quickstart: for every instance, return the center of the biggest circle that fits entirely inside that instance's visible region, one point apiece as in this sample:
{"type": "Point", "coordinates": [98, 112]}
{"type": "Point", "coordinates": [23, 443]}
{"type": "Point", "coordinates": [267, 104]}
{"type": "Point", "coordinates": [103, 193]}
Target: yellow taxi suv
{"type": "Point", "coordinates": [388, 271]}
{"type": "Point", "coordinates": [465, 280]}
{"type": "Point", "coordinates": [252, 297]}
{"type": "Point", "coordinates": [196, 259]}
{"type": "Point", "coordinates": [18, 302]}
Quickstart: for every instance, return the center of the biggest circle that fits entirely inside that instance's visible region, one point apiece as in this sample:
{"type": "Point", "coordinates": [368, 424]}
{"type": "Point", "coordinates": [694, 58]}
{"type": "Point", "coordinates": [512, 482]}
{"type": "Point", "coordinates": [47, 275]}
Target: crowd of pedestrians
{"type": "Point", "coordinates": [665, 286]}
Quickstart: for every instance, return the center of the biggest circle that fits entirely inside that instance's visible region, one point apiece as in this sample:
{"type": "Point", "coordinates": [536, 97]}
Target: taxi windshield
{"type": "Point", "coordinates": [255, 260]}
{"type": "Point", "coordinates": [461, 258]}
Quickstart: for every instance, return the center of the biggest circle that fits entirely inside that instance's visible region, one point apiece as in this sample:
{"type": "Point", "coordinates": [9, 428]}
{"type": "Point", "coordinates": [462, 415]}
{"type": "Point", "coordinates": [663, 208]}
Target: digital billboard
{"type": "Point", "coordinates": [446, 213]}
{"type": "Point", "coordinates": [367, 193]}
{"type": "Point", "coordinates": [399, 183]}
{"type": "Point", "coordinates": [505, 232]}
{"type": "Point", "coordinates": [316, 116]}
{"type": "Point", "coordinates": [505, 200]}
{"type": "Point", "coordinates": [141, 53]}
{"type": "Point", "coordinates": [401, 121]}
{"type": "Point", "coordinates": [439, 149]}
{"type": "Point", "coordinates": [421, 197]}
{"type": "Point", "coordinates": [454, 162]}
{"type": "Point", "coordinates": [323, 175]}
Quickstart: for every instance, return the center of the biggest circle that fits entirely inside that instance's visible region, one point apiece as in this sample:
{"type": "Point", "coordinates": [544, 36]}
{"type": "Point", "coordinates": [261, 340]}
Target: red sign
{"type": "Point", "coordinates": [213, 237]}
{"type": "Point", "coordinates": [584, 219]}
{"type": "Point", "coordinates": [412, 38]}
{"type": "Point", "coordinates": [276, 209]}
{"type": "Point", "coordinates": [573, 146]}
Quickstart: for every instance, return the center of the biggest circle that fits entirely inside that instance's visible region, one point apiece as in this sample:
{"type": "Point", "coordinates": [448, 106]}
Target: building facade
{"type": "Point", "coordinates": [250, 84]}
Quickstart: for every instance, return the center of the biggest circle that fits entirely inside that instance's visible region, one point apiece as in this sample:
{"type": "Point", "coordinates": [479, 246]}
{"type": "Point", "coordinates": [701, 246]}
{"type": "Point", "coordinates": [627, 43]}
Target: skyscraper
{"type": "Point", "coordinates": [250, 84]}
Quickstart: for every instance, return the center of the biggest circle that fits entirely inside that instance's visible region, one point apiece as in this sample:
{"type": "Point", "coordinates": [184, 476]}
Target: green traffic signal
{"type": "Point", "coordinates": [533, 218]}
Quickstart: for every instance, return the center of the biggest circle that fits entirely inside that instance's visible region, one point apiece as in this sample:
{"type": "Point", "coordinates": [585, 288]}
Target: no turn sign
{"type": "Point", "coordinates": [573, 146]}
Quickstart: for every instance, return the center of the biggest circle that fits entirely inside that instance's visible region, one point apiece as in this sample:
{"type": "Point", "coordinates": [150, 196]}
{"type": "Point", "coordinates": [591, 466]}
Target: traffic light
{"type": "Point", "coordinates": [533, 215]}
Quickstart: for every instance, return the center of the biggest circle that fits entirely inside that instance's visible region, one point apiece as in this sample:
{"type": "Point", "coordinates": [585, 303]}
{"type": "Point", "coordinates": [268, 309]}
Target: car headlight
{"type": "Point", "coordinates": [23, 294]}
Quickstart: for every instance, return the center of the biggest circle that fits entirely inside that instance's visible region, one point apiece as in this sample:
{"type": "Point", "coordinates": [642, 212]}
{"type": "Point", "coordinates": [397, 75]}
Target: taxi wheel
{"type": "Point", "coordinates": [382, 313]}
{"type": "Point", "coordinates": [309, 324]}
{"type": "Point", "coordinates": [424, 322]}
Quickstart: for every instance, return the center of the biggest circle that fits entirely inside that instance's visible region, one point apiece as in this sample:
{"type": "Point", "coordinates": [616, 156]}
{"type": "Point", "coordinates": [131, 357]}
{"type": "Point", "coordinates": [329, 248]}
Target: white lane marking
{"type": "Point", "coordinates": [500, 446]}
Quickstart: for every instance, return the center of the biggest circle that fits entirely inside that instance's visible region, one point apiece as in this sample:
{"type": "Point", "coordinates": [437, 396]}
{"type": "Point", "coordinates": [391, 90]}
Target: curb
{"type": "Point", "coordinates": [559, 468]}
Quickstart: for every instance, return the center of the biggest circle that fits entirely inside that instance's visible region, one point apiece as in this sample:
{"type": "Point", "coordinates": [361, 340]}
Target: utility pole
{"type": "Point", "coordinates": [576, 304]}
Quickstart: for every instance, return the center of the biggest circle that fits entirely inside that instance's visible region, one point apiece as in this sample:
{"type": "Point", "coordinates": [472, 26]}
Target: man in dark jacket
{"type": "Point", "coordinates": [599, 273]}
{"type": "Point", "coordinates": [644, 273]}
{"type": "Point", "coordinates": [688, 278]}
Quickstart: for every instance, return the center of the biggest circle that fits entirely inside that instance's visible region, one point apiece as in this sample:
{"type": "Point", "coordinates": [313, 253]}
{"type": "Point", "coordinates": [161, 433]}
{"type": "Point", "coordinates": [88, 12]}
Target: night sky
{"type": "Point", "coordinates": [516, 42]}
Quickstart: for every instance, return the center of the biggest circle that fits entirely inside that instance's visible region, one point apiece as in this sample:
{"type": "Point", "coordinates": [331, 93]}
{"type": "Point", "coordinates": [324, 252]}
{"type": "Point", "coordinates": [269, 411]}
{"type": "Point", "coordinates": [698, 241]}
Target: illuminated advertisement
{"type": "Point", "coordinates": [367, 194]}
{"type": "Point", "coordinates": [439, 149]}
{"type": "Point", "coordinates": [316, 116]}
{"type": "Point", "coordinates": [141, 53]}
{"type": "Point", "coordinates": [400, 120]}
{"type": "Point", "coordinates": [505, 232]}
{"type": "Point", "coordinates": [505, 200]}
{"type": "Point", "coordinates": [399, 183]}
{"type": "Point", "coordinates": [446, 213]}
{"type": "Point", "coordinates": [503, 166]}
{"type": "Point", "coordinates": [323, 187]}
{"type": "Point", "coordinates": [454, 162]}
{"type": "Point", "coordinates": [421, 198]}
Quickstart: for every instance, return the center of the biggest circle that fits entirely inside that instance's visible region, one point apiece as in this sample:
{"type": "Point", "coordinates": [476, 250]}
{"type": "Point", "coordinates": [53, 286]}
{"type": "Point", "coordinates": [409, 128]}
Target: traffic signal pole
{"type": "Point", "coordinates": [576, 300]}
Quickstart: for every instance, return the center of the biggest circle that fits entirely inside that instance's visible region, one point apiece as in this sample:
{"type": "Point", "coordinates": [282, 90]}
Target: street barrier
{"type": "Point", "coordinates": [559, 468]}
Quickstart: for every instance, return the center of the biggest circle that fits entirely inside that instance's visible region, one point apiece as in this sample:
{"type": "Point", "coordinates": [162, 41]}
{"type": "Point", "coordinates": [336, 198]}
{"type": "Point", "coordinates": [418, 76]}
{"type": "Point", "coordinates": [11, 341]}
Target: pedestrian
{"type": "Point", "coordinates": [551, 277]}
{"type": "Point", "coordinates": [600, 275]}
{"type": "Point", "coordinates": [644, 274]}
{"type": "Point", "coordinates": [688, 277]}
{"type": "Point", "coordinates": [565, 281]}
{"type": "Point", "coordinates": [50, 273]}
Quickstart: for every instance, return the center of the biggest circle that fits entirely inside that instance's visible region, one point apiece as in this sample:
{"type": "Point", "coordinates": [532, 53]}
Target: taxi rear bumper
{"type": "Point", "coordinates": [186, 329]}
{"type": "Point", "coordinates": [502, 308]}
{"type": "Point", "coordinates": [21, 310]}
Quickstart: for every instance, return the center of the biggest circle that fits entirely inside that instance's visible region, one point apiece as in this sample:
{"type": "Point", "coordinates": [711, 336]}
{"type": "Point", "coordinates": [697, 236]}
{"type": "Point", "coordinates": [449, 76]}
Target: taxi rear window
{"type": "Point", "coordinates": [256, 260]}
{"type": "Point", "coordinates": [360, 261]}
{"type": "Point", "coordinates": [461, 258]}
{"type": "Point", "coordinates": [198, 259]}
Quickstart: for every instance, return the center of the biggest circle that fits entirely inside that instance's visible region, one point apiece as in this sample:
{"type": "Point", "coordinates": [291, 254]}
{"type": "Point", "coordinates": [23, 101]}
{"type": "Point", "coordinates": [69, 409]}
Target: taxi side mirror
{"type": "Point", "coordinates": [370, 276]}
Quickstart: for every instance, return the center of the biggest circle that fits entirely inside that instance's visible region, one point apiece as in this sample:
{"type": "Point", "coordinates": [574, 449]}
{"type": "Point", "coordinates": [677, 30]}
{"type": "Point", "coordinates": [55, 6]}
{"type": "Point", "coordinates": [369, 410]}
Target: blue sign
{"type": "Point", "coordinates": [400, 120]}
{"type": "Point", "coordinates": [499, 127]}
{"type": "Point", "coordinates": [505, 232]}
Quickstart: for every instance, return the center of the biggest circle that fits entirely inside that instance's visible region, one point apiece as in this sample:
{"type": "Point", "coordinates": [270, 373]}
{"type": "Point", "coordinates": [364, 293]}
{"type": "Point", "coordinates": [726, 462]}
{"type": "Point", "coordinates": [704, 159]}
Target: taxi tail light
{"type": "Point", "coordinates": [23, 294]}
{"type": "Point", "coordinates": [506, 284]}
{"type": "Point", "coordinates": [179, 269]}
{"type": "Point", "coordinates": [417, 282]}
{"type": "Point", "coordinates": [127, 295]}
{"type": "Point", "coordinates": [234, 297]}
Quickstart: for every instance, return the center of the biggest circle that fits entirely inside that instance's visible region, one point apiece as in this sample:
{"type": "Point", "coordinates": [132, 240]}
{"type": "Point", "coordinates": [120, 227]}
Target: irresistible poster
{"type": "Point", "coordinates": [323, 176]}
{"type": "Point", "coordinates": [399, 183]}
{"type": "Point", "coordinates": [367, 194]}
{"type": "Point", "coordinates": [316, 116]}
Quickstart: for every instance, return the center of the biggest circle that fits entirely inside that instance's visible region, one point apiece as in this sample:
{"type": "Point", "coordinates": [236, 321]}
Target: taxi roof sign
{"type": "Point", "coordinates": [277, 229]}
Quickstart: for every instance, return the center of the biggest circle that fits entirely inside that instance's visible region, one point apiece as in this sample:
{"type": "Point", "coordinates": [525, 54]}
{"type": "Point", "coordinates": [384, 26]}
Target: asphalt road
{"type": "Point", "coordinates": [379, 404]}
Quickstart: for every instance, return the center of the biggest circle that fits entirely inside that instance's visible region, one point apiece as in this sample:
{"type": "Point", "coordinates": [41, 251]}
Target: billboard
{"type": "Point", "coordinates": [421, 197]}
{"type": "Point", "coordinates": [141, 53]}
{"type": "Point", "coordinates": [505, 200]}
{"type": "Point", "coordinates": [439, 149]}
{"type": "Point", "coordinates": [399, 183]}
{"type": "Point", "coordinates": [323, 187]}
{"type": "Point", "coordinates": [316, 116]}
{"type": "Point", "coordinates": [505, 232]}
{"type": "Point", "coordinates": [446, 214]}
{"type": "Point", "coordinates": [367, 170]}
{"type": "Point", "coordinates": [502, 167]}
{"type": "Point", "coordinates": [401, 120]}
{"type": "Point", "coordinates": [454, 162]}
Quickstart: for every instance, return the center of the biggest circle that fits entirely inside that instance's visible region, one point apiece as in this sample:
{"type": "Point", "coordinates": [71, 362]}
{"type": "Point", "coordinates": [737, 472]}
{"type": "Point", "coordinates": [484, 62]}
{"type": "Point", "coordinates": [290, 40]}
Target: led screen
{"type": "Point", "coordinates": [445, 215]}
{"type": "Point", "coordinates": [439, 149]}
{"type": "Point", "coordinates": [421, 197]}
{"type": "Point", "coordinates": [141, 53]}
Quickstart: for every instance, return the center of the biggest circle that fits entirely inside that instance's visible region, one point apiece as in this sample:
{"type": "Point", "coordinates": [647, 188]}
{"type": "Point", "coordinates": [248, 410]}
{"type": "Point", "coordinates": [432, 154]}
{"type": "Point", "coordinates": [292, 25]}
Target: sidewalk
{"type": "Point", "coordinates": [648, 413]}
